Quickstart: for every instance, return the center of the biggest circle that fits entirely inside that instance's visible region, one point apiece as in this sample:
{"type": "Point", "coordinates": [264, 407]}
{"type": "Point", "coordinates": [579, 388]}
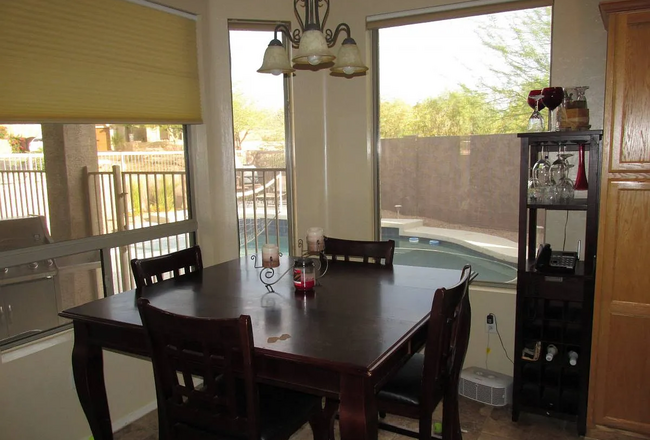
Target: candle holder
{"type": "Point", "coordinates": [267, 273]}
{"type": "Point", "coordinates": [322, 263]}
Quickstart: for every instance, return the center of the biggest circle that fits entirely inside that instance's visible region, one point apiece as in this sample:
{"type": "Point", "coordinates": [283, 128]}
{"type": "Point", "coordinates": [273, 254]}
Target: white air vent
{"type": "Point", "coordinates": [485, 386]}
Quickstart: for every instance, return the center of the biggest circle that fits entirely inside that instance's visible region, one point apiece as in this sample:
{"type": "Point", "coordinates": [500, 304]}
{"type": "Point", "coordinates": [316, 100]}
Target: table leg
{"type": "Point", "coordinates": [88, 370]}
{"type": "Point", "coordinates": [358, 409]}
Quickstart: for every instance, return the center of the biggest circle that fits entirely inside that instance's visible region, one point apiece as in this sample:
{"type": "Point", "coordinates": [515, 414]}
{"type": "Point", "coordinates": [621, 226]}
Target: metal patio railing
{"type": "Point", "coordinates": [124, 200]}
{"type": "Point", "coordinates": [23, 193]}
{"type": "Point", "coordinates": [261, 208]}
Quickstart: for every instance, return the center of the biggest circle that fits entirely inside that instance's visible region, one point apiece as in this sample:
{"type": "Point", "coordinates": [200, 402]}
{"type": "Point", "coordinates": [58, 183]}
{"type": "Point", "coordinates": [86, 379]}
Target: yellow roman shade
{"type": "Point", "coordinates": [96, 61]}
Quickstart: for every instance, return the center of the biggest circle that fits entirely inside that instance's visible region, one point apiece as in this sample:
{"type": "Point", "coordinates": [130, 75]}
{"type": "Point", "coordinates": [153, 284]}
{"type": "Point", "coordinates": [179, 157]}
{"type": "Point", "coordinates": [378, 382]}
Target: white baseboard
{"type": "Point", "coordinates": [130, 418]}
{"type": "Point", "coordinates": [135, 415]}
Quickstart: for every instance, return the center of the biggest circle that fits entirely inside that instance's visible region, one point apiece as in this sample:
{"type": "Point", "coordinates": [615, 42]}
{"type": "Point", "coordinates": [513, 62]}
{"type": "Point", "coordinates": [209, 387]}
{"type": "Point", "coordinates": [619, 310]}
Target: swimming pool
{"type": "Point", "coordinates": [418, 251]}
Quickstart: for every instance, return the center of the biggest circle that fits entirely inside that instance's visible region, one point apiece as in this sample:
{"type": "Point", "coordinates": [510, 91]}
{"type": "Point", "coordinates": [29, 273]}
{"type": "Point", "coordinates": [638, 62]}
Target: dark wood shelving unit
{"type": "Point", "coordinates": [555, 308]}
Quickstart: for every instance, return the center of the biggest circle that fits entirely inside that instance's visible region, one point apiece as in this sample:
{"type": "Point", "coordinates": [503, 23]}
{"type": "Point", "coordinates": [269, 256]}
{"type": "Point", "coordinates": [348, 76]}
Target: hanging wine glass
{"type": "Point", "coordinates": [559, 168]}
{"type": "Point", "coordinates": [542, 177]}
{"type": "Point", "coordinates": [565, 190]}
{"type": "Point", "coordinates": [533, 191]}
{"type": "Point", "coordinates": [552, 98]}
{"type": "Point", "coordinates": [536, 120]}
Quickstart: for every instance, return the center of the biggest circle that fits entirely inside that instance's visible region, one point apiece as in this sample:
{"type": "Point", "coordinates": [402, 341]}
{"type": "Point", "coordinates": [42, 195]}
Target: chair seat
{"type": "Point", "coordinates": [405, 387]}
{"type": "Point", "coordinates": [282, 413]}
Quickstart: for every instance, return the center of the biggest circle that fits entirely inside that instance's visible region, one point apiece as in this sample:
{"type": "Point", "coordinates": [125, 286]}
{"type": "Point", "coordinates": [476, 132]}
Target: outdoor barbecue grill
{"type": "Point", "coordinates": [28, 292]}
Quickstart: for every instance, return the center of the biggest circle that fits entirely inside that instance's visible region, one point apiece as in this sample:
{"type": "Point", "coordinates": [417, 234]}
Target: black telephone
{"type": "Point", "coordinates": [551, 261]}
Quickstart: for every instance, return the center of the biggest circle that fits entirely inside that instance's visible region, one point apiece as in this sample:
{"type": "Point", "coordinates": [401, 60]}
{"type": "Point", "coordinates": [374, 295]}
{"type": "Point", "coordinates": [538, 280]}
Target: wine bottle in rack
{"type": "Point", "coordinates": [573, 358]}
{"type": "Point", "coordinates": [551, 351]}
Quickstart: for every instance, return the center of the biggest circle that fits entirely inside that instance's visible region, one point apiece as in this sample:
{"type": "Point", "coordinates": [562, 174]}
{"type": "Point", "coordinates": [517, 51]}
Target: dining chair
{"type": "Point", "coordinates": [430, 377]}
{"type": "Point", "coordinates": [148, 271]}
{"type": "Point", "coordinates": [206, 388]}
{"type": "Point", "coordinates": [367, 251]}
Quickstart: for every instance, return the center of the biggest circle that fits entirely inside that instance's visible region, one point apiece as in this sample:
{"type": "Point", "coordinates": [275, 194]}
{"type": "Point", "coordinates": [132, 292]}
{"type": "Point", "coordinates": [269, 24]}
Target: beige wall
{"type": "Point", "coordinates": [334, 177]}
{"type": "Point", "coordinates": [38, 399]}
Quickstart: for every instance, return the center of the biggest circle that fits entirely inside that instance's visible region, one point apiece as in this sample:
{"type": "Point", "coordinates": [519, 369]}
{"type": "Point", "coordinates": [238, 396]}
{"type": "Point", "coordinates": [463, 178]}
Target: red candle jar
{"type": "Point", "coordinates": [304, 274]}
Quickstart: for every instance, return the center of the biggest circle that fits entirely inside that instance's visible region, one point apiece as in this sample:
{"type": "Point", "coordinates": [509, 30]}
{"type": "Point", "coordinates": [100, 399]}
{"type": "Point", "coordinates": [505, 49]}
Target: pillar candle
{"type": "Point", "coordinates": [315, 239]}
{"type": "Point", "coordinates": [270, 255]}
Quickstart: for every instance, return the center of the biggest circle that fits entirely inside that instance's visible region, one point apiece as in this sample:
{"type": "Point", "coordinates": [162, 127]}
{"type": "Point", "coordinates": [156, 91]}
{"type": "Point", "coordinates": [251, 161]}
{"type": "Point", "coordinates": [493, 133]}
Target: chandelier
{"type": "Point", "coordinates": [313, 43]}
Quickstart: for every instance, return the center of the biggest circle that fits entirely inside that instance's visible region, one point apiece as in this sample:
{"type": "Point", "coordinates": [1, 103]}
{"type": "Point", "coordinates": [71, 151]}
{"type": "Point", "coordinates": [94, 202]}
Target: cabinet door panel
{"type": "Point", "coordinates": [4, 329]}
{"type": "Point", "coordinates": [627, 221]}
{"type": "Point", "coordinates": [627, 385]}
{"type": "Point", "coordinates": [33, 306]}
{"type": "Point", "coordinates": [621, 368]}
{"type": "Point", "coordinates": [629, 92]}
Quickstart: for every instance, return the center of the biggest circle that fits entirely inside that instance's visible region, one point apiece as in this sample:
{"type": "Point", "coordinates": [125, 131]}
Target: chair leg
{"type": "Point", "coordinates": [425, 427]}
{"type": "Point", "coordinates": [322, 423]}
{"type": "Point", "coordinates": [450, 415]}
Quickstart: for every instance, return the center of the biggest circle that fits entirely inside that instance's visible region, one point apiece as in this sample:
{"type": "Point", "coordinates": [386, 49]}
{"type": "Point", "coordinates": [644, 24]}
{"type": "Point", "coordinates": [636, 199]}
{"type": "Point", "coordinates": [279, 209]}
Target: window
{"type": "Point", "coordinates": [260, 120]}
{"type": "Point", "coordinates": [449, 155]}
{"type": "Point", "coordinates": [78, 201]}
{"type": "Point", "coordinates": [86, 181]}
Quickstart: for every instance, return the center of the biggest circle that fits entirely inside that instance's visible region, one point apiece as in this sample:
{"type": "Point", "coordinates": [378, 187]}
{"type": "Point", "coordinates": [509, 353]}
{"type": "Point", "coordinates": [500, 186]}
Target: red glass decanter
{"type": "Point", "coordinates": [581, 178]}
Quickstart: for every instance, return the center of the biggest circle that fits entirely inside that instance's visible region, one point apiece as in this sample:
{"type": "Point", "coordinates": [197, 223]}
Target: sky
{"type": "Point", "coordinates": [423, 60]}
{"type": "Point", "coordinates": [416, 61]}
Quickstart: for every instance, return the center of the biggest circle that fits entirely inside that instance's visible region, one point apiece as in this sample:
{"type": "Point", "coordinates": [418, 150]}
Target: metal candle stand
{"type": "Point", "coordinates": [322, 258]}
{"type": "Point", "coordinates": [267, 273]}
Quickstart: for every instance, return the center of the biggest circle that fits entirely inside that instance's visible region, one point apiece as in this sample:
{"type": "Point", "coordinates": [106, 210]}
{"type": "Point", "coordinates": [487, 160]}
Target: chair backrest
{"type": "Point", "coordinates": [447, 338]}
{"type": "Point", "coordinates": [148, 271]}
{"type": "Point", "coordinates": [184, 348]}
{"type": "Point", "coordinates": [366, 251]}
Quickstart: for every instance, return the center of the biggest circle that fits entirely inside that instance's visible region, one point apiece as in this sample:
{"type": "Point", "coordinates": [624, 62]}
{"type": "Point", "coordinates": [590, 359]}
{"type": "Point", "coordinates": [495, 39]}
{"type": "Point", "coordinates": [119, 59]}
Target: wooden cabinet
{"type": "Point", "coordinates": [555, 309]}
{"type": "Point", "coordinates": [620, 385]}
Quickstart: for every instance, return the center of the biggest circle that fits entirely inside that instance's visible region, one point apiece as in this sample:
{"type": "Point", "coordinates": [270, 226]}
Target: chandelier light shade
{"type": "Point", "coordinates": [313, 43]}
{"type": "Point", "coordinates": [348, 61]}
{"type": "Point", "coordinates": [276, 60]}
{"type": "Point", "coordinates": [313, 49]}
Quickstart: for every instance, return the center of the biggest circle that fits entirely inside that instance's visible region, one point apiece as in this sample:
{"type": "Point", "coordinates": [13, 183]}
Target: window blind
{"type": "Point", "coordinates": [450, 11]}
{"type": "Point", "coordinates": [90, 61]}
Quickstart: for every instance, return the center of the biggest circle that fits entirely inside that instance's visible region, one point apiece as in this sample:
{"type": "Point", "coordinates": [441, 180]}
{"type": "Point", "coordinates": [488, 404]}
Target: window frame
{"type": "Point", "coordinates": [427, 15]}
{"type": "Point", "coordinates": [264, 25]}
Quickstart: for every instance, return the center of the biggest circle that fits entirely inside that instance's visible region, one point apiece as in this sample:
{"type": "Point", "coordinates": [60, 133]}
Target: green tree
{"type": "Point", "coordinates": [246, 117]}
{"type": "Point", "coordinates": [522, 51]}
{"type": "Point", "coordinates": [520, 42]}
{"type": "Point", "coordinates": [273, 132]}
{"type": "Point", "coordinates": [174, 131]}
{"type": "Point", "coordinates": [456, 113]}
{"type": "Point", "coordinates": [396, 119]}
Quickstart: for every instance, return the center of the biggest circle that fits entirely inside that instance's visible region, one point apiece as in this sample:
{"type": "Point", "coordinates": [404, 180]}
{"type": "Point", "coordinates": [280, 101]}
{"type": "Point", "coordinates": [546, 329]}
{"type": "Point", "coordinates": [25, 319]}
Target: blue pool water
{"type": "Point", "coordinates": [418, 251]}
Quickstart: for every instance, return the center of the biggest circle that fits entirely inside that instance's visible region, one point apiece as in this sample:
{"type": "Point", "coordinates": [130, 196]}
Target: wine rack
{"type": "Point", "coordinates": [555, 308]}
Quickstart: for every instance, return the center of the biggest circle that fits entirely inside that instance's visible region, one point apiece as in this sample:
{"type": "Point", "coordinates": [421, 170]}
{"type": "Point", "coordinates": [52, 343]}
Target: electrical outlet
{"type": "Point", "coordinates": [491, 323]}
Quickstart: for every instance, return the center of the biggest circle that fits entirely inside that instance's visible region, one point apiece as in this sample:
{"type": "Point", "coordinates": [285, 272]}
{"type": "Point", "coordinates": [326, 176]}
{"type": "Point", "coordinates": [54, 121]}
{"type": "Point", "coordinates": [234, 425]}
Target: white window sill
{"type": "Point", "coordinates": [29, 348]}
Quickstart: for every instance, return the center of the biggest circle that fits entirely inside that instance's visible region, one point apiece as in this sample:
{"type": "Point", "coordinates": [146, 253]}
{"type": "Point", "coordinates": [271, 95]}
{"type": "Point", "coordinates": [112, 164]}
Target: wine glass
{"type": "Point", "coordinates": [565, 190]}
{"type": "Point", "coordinates": [542, 176]}
{"type": "Point", "coordinates": [552, 98]}
{"type": "Point", "coordinates": [536, 120]}
{"type": "Point", "coordinates": [559, 167]}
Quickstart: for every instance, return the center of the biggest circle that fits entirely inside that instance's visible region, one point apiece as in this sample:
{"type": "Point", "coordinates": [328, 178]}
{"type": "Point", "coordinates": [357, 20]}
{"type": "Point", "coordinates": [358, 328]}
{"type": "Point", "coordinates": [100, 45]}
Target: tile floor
{"type": "Point", "coordinates": [481, 422]}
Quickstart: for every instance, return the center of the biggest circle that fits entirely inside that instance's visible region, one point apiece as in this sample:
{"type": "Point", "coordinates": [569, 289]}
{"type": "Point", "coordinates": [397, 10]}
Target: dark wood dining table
{"type": "Point", "coordinates": [341, 341]}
